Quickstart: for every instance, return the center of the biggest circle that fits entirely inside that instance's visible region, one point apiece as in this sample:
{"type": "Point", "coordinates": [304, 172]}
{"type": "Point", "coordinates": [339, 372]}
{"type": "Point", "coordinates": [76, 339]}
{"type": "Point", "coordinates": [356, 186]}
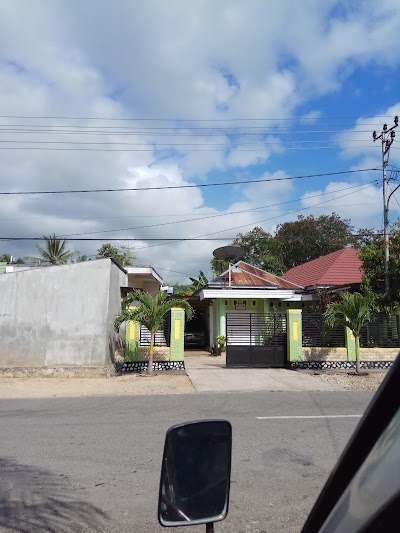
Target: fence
{"type": "Point", "coordinates": [381, 332]}
{"type": "Point", "coordinates": [256, 329]}
{"type": "Point", "coordinates": [316, 333]}
{"type": "Point", "coordinates": [163, 335]}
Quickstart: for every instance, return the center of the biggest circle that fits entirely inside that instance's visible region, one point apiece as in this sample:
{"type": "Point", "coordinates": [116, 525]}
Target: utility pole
{"type": "Point", "coordinates": [387, 137]}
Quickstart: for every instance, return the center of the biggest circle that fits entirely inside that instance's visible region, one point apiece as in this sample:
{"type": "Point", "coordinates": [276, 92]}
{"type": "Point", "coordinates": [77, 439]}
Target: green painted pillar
{"type": "Point", "coordinates": [350, 344]}
{"type": "Point", "coordinates": [176, 350]}
{"type": "Point", "coordinates": [294, 335]}
{"type": "Point", "coordinates": [222, 319]}
{"type": "Point", "coordinates": [132, 337]}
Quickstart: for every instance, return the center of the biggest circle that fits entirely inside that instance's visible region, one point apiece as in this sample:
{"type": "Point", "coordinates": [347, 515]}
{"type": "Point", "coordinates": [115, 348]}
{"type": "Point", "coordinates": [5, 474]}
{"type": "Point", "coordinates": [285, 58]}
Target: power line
{"type": "Point", "coordinates": [263, 208]}
{"type": "Point", "coordinates": [165, 119]}
{"type": "Point", "coordinates": [200, 185]}
{"type": "Point", "coordinates": [112, 143]}
{"type": "Point", "coordinates": [172, 132]}
{"type": "Point", "coordinates": [222, 214]}
{"type": "Point", "coordinates": [178, 239]}
{"type": "Point", "coordinates": [252, 223]}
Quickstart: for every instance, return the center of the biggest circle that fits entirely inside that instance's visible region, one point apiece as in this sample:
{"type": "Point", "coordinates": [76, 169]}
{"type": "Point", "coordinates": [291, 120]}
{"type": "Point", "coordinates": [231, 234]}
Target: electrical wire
{"type": "Point", "coordinates": [199, 185]}
{"type": "Point", "coordinates": [218, 214]}
{"type": "Point", "coordinates": [246, 225]}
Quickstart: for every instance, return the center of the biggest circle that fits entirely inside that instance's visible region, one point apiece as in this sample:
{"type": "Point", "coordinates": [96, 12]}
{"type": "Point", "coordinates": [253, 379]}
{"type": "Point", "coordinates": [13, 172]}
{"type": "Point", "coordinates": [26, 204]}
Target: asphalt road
{"type": "Point", "coordinates": [92, 464]}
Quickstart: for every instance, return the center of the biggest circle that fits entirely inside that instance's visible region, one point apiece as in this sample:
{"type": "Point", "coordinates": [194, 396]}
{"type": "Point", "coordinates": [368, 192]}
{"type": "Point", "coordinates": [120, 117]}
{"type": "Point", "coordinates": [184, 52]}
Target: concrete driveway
{"type": "Point", "coordinates": [209, 374]}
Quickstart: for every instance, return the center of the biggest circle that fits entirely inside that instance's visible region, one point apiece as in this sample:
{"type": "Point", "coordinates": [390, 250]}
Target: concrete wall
{"type": "Point", "coordinates": [60, 315]}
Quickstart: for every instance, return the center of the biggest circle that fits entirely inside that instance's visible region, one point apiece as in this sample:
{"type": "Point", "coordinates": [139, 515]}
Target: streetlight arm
{"type": "Point", "coordinates": [390, 195]}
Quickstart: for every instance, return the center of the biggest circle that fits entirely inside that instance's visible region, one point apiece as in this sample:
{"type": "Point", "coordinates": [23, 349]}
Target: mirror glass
{"type": "Point", "coordinates": [195, 475]}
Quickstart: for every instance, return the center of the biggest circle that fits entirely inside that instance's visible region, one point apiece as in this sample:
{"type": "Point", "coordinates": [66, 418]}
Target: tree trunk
{"type": "Point", "coordinates": [151, 352]}
{"type": "Point", "coordinates": [358, 367]}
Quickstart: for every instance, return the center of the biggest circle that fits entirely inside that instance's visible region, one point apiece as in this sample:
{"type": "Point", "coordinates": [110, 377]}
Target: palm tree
{"type": "Point", "coordinates": [353, 311]}
{"type": "Point", "coordinates": [54, 251]}
{"type": "Point", "coordinates": [150, 312]}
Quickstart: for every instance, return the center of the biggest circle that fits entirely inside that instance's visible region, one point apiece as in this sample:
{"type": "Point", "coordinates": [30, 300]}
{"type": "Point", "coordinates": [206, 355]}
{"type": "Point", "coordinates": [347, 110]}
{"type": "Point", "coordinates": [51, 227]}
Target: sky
{"type": "Point", "coordinates": [187, 95]}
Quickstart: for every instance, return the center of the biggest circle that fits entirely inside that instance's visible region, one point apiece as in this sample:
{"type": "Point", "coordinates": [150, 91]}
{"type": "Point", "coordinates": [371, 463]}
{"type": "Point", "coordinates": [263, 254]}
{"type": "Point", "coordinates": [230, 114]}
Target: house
{"type": "Point", "coordinates": [245, 289]}
{"type": "Point", "coordinates": [143, 277]}
{"type": "Point", "coordinates": [340, 270]}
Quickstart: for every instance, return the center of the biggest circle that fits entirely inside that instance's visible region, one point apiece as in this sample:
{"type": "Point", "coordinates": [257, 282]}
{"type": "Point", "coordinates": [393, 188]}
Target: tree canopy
{"type": "Point", "coordinates": [123, 255]}
{"type": "Point", "coordinates": [373, 259]}
{"type": "Point", "coordinates": [295, 243]}
{"type": "Point", "coordinates": [54, 251]}
{"type": "Point", "coordinates": [308, 238]}
{"type": "Point", "coordinates": [260, 251]}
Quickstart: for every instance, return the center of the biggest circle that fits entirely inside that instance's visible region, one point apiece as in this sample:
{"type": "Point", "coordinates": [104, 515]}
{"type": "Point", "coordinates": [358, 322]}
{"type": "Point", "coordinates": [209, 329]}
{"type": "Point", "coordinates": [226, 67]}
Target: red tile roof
{"type": "Point", "coordinates": [243, 274]}
{"type": "Point", "coordinates": [338, 268]}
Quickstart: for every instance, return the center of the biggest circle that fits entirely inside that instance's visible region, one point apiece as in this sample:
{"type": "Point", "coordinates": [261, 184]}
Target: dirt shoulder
{"type": "Point", "coordinates": [133, 384]}
{"type": "Point", "coordinates": [370, 381]}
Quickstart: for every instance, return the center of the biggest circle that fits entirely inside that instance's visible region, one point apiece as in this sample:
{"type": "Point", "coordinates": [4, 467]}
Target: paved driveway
{"type": "Point", "coordinates": [209, 374]}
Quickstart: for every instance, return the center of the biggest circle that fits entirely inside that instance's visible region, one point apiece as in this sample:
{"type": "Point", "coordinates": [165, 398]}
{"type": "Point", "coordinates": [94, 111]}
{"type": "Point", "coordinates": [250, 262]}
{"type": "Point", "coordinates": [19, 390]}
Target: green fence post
{"type": "Point", "coordinates": [350, 344]}
{"type": "Point", "coordinates": [132, 337]}
{"type": "Point", "coordinates": [294, 335]}
{"type": "Point", "coordinates": [176, 350]}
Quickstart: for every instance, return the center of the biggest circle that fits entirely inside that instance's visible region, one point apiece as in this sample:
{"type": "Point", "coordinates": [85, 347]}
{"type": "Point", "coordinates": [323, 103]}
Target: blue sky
{"type": "Point", "coordinates": [156, 94]}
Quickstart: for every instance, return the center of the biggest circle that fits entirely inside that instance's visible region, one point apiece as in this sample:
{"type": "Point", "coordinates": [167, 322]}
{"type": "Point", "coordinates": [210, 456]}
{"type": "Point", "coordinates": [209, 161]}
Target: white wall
{"type": "Point", "coordinates": [59, 315]}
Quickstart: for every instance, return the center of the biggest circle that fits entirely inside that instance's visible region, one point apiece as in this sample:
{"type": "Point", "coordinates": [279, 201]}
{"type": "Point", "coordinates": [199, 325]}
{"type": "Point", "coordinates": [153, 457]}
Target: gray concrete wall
{"type": "Point", "coordinates": [60, 315]}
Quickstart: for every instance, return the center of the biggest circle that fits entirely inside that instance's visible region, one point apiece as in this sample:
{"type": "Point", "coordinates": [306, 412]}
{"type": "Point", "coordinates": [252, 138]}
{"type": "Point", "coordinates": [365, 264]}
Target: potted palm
{"type": "Point", "coordinates": [220, 345]}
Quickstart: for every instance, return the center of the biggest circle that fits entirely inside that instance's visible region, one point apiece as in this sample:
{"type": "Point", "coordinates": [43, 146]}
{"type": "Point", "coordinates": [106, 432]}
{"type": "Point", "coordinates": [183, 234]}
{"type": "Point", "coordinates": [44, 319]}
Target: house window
{"type": "Point", "coordinates": [287, 304]}
{"type": "Point", "coordinates": [279, 304]}
{"type": "Point", "coordinates": [226, 303]}
{"type": "Point", "coordinates": [234, 302]}
{"type": "Point", "coordinates": [254, 303]}
{"type": "Point", "coordinates": [271, 304]}
{"type": "Point", "coordinates": [303, 304]}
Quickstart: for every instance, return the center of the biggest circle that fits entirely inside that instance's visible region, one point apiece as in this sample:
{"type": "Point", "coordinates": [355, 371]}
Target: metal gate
{"type": "Point", "coordinates": [256, 339]}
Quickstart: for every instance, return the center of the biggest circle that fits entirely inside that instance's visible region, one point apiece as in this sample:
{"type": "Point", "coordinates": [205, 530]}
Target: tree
{"type": "Point", "coordinates": [150, 312]}
{"type": "Point", "coordinates": [366, 236]}
{"type": "Point", "coordinates": [373, 260]}
{"type": "Point", "coordinates": [308, 238]}
{"type": "Point", "coordinates": [79, 258]}
{"type": "Point", "coordinates": [123, 255]}
{"type": "Point", "coordinates": [54, 251]}
{"type": "Point", "coordinates": [182, 290]}
{"type": "Point", "coordinates": [5, 258]}
{"type": "Point", "coordinates": [354, 311]}
{"type": "Point", "coordinates": [198, 283]}
{"type": "Point", "coordinates": [260, 251]}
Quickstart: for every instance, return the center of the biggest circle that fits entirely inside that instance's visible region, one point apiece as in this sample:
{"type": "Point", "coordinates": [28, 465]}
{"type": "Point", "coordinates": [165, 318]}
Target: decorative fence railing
{"type": "Point", "coordinates": [381, 332]}
{"type": "Point", "coordinates": [163, 335]}
{"type": "Point", "coordinates": [256, 329]}
{"type": "Point", "coordinates": [316, 333]}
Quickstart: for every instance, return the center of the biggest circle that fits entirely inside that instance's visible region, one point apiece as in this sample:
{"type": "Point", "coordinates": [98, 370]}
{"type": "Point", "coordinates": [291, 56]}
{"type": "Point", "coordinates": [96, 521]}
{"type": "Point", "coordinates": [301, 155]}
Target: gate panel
{"type": "Point", "coordinates": [256, 339]}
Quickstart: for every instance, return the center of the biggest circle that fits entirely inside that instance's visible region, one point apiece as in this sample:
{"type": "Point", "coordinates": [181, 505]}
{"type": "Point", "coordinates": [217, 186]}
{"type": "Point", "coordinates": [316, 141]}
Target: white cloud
{"type": "Point", "coordinates": [169, 60]}
{"type": "Point", "coordinates": [363, 204]}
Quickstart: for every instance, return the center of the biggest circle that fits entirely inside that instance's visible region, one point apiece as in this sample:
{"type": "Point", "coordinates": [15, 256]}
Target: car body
{"type": "Point", "coordinates": [195, 334]}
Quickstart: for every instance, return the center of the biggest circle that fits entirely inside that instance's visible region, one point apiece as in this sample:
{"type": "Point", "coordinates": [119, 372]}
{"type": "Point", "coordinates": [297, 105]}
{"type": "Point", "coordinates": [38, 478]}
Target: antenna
{"type": "Point", "coordinates": [231, 254]}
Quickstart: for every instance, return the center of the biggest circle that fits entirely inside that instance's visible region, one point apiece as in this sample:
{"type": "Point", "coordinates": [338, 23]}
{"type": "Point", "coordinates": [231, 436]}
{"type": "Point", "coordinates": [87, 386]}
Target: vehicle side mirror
{"type": "Point", "coordinates": [195, 473]}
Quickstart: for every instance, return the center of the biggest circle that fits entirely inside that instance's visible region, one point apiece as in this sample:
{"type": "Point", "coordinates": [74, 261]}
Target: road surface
{"type": "Point", "coordinates": [92, 464]}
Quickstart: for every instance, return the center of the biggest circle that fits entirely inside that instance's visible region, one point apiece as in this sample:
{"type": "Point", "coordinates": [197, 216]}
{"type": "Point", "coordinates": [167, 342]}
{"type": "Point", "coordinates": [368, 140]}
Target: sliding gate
{"type": "Point", "coordinates": [256, 339]}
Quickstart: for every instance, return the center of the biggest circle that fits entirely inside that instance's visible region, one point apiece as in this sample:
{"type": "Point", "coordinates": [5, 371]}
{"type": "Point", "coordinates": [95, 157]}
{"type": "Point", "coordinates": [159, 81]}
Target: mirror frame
{"type": "Point", "coordinates": [224, 514]}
